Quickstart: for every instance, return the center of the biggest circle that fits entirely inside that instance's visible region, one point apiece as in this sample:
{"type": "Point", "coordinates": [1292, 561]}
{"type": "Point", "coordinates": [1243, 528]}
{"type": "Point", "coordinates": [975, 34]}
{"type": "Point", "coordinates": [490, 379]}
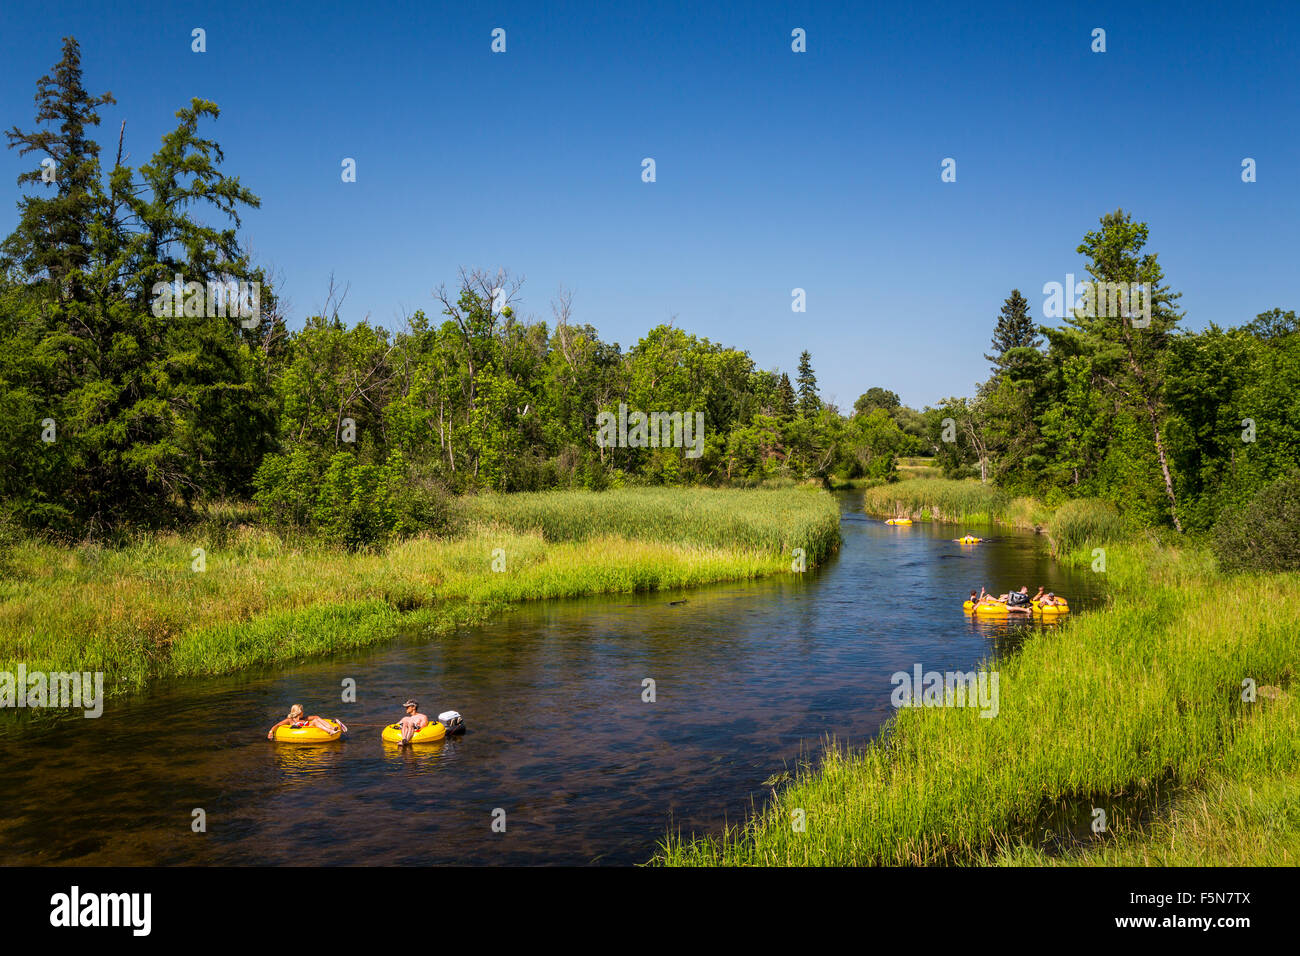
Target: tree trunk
{"type": "Point", "coordinates": [1164, 468]}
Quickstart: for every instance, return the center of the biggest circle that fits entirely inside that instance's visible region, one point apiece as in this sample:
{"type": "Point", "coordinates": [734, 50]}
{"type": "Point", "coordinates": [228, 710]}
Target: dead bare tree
{"type": "Point", "coordinates": [562, 310]}
{"type": "Point", "coordinates": [500, 292]}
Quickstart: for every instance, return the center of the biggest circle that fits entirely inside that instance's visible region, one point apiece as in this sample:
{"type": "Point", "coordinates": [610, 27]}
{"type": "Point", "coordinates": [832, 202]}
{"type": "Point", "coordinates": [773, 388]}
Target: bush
{"type": "Point", "coordinates": [349, 502]}
{"type": "Point", "coordinates": [1263, 534]}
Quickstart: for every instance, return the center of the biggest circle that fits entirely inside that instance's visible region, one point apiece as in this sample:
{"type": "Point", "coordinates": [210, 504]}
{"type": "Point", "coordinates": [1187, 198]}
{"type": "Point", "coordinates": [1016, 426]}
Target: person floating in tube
{"type": "Point", "coordinates": [412, 722]}
{"type": "Point", "coordinates": [296, 720]}
{"type": "Point", "coordinates": [1047, 599]}
{"type": "Point", "coordinates": [1019, 601]}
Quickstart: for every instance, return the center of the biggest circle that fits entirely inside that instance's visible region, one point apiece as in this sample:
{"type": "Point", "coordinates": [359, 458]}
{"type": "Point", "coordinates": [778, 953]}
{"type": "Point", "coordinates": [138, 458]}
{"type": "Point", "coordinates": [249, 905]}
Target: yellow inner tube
{"type": "Point", "coordinates": [898, 521]}
{"type": "Point", "coordinates": [969, 539]}
{"type": "Point", "coordinates": [307, 735]}
{"type": "Point", "coordinates": [428, 734]}
{"type": "Point", "coordinates": [1047, 610]}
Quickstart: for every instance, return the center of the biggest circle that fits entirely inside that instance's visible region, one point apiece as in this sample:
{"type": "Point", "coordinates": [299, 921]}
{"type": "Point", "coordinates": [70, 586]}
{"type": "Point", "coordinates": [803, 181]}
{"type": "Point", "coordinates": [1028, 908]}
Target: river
{"type": "Point", "coordinates": [749, 679]}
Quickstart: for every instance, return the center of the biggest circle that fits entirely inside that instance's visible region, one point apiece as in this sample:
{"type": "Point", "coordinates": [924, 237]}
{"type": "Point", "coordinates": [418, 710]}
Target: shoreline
{"type": "Point", "coordinates": [142, 614]}
{"type": "Point", "coordinates": [1134, 703]}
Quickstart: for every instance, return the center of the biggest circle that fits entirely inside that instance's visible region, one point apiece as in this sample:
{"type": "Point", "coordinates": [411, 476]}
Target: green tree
{"type": "Point", "coordinates": [876, 397]}
{"type": "Point", "coordinates": [1128, 352]}
{"type": "Point", "coordinates": [53, 239]}
{"type": "Point", "coordinates": [787, 401]}
{"type": "Point", "coordinates": [1014, 331]}
{"type": "Point", "coordinates": [809, 401]}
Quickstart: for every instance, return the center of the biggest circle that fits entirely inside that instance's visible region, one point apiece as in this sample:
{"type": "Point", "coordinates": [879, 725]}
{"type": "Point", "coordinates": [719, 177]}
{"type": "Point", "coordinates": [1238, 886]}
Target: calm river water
{"type": "Point", "coordinates": [749, 680]}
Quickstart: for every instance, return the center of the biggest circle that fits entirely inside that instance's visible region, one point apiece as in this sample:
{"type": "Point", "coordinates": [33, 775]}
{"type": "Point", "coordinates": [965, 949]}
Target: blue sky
{"type": "Point", "coordinates": [775, 170]}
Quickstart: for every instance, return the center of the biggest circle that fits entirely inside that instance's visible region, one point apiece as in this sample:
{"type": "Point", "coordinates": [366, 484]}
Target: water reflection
{"type": "Point", "coordinates": [748, 678]}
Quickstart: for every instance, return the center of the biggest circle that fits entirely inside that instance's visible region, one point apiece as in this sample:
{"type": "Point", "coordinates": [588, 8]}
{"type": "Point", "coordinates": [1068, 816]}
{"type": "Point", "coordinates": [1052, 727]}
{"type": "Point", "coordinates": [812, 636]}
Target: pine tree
{"type": "Point", "coordinates": [1015, 330]}
{"type": "Point", "coordinates": [53, 238]}
{"type": "Point", "coordinates": [153, 409]}
{"type": "Point", "coordinates": [786, 406]}
{"type": "Point", "coordinates": [1127, 358]}
{"type": "Point", "coordinates": [808, 400]}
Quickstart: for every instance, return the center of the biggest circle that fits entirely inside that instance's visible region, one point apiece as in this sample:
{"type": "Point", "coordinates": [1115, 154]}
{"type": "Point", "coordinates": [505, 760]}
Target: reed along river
{"type": "Point", "coordinates": [749, 680]}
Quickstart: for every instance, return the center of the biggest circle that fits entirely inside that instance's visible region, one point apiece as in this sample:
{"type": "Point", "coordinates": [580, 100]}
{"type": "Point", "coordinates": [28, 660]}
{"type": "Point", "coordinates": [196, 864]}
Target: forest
{"type": "Point", "coordinates": [117, 414]}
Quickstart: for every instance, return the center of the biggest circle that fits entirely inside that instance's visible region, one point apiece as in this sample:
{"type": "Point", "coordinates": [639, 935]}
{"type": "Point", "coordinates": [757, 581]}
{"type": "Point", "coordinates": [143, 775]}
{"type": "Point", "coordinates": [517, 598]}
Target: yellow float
{"type": "Point", "coordinates": [428, 734]}
{"type": "Point", "coordinates": [307, 735]}
{"type": "Point", "coordinates": [898, 521]}
{"type": "Point", "coordinates": [968, 539]}
{"type": "Point", "coordinates": [1000, 610]}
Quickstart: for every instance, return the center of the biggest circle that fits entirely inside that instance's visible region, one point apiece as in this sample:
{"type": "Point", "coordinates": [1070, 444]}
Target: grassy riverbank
{"type": "Point", "coordinates": [1139, 701]}
{"type": "Point", "coordinates": [942, 499]}
{"type": "Point", "coordinates": [141, 612]}
{"type": "Point", "coordinates": [1071, 526]}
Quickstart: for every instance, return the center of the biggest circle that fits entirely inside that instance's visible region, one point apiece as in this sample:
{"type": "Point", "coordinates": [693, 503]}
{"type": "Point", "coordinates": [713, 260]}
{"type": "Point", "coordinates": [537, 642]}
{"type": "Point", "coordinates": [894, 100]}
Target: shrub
{"type": "Point", "coordinates": [1263, 534]}
{"type": "Point", "coordinates": [350, 502]}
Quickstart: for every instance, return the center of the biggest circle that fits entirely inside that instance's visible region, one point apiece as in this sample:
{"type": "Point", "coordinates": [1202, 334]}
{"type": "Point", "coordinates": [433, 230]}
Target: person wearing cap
{"type": "Point", "coordinates": [1048, 600]}
{"type": "Point", "coordinates": [412, 722]}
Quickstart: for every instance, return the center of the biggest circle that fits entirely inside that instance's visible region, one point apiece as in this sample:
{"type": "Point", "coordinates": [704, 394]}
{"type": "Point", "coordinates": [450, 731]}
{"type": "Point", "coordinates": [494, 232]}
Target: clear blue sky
{"type": "Point", "coordinates": [775, 170]}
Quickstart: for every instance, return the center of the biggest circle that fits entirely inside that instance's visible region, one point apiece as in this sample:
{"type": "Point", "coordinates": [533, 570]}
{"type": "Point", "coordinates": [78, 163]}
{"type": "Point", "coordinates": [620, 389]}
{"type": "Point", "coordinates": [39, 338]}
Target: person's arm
{"type": "Point", "coordinates": [271, 733]}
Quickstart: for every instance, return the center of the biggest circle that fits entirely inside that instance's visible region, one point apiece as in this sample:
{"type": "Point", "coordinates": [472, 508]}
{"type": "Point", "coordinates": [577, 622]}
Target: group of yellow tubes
{"type": "Point", "coordinates": [428, 734]}
{"type": "Point", "coordinates": [991, 607]}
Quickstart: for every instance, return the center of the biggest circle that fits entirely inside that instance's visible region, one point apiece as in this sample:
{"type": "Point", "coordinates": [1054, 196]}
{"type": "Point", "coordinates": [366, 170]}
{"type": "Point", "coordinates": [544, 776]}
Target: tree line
{"type": "Point", "coordinates": [114, 413]}
{"type": "Point", "coordinates": [1176, 427]}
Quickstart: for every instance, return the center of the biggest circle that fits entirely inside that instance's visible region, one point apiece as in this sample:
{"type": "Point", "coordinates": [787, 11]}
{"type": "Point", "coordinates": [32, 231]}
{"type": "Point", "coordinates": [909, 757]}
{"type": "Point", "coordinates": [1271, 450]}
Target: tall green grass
{"type": "Point", "coordinates": [776, 520]}
{"type": "Point", "coordinates": [1142, 694]}
{"type": "Point", "coordinates": [1247, 812]}
{"type": "Point", "coordinates": [918, 468]}
{"type": "Point", "coordinates": [937, 499]}
{"type": "Point", "coordinates": [139, 612]}
{"type": "Point", "coordinates": [1084, 523]}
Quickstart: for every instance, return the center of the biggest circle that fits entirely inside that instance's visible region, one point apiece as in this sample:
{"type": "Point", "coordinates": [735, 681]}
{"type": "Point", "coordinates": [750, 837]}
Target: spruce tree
{"type": "Point", "coordinates": [808, 400]}
{"type": "Point", "coordinates": [53, 239]}
{"type": "Point", "coordinates": [1015, 330]}
{"type": "Point", "coordinates": [786, 398]}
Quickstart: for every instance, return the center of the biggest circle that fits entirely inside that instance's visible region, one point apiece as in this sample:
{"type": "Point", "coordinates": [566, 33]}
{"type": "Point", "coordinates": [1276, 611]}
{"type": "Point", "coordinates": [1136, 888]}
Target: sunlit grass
{"type": "Point", "coordinates": [1143, 693]}
{"type": "Point", "coordinates": [140, 612]}
{"type": "Point", "coordinates": [767, 519]}
{"type": "Point", "coordinates": [936, 499]}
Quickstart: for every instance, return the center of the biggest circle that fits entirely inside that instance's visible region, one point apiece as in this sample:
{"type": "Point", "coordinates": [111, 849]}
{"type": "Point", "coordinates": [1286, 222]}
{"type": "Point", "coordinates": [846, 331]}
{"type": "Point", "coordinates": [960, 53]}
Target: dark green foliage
{"type": "Point", "coordinates": [147, 413]}
{"type": "Point", "coordinates": [1263, 534]}
{"type": "Point", "coordinates": [809, 401]}
{"type": "Point", "coordinates": [1014, 330]}
{"type": "Point", "coordinates": [350, 502]}
{"type": "Point", "coordinates": [360, 432]}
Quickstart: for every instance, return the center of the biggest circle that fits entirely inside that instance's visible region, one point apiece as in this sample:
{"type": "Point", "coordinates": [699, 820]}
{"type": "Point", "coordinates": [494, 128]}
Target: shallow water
{"type": "Point", "coordinates": [749, 679]}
